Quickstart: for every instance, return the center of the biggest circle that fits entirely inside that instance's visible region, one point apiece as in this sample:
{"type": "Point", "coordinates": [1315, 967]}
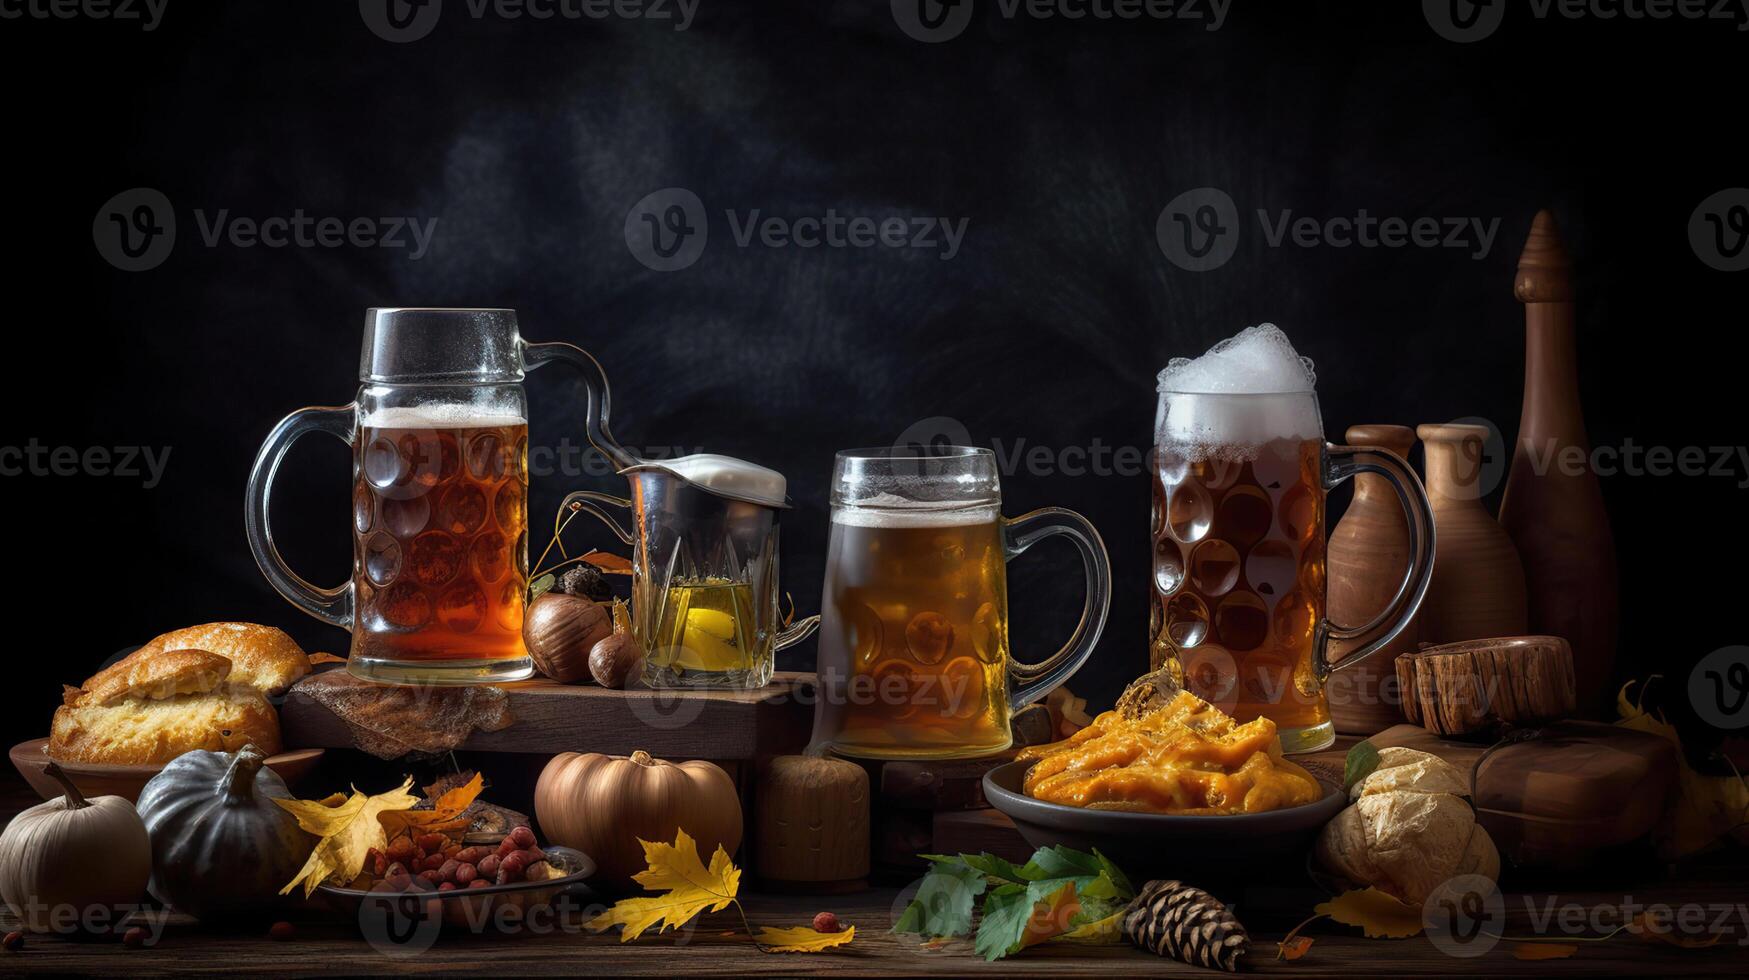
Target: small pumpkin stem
{"type": "Point", "coordinates": [75, 799]}
{"type": "Point", "coordinates": [643, 758]}
{"type": "Point", "coordinates": [239, 780]}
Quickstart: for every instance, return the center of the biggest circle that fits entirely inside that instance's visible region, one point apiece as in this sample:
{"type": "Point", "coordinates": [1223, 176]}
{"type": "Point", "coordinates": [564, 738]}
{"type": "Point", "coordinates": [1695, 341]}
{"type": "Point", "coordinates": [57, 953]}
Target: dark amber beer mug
{"type": "Point", "coordinates": [1241, 470]}
{"type": "Point", "coordinates": [914, 656]}
{"type": "Point", "coordinates": [439, 438]}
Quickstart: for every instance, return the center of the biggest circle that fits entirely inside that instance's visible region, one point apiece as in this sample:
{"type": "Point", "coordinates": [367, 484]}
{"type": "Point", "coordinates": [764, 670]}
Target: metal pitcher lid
{"type": "Point", "coordinates": [725, 476]}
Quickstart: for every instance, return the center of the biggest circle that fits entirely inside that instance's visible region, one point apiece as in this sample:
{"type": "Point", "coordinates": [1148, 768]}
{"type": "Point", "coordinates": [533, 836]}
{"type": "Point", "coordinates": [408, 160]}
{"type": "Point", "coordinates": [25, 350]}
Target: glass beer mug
{"type": "Point", "coordinates": [914, 658]}
{"type": "Point", "coordinates": [1237, 607]}
{"type": "Point", "coordinates": [439, 436]}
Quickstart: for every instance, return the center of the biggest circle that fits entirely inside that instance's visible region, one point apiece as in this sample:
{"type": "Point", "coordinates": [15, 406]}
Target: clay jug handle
{"type": "Point", "coordinates": [1341, 463]}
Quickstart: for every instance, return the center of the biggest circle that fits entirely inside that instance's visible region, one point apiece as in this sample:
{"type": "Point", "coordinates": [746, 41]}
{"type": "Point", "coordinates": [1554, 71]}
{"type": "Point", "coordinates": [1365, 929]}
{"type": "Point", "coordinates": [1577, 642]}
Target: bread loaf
{"type": "Point", "coordinates": [204, 687]}
{"type": "Point", "coordinates": [1409, 829]}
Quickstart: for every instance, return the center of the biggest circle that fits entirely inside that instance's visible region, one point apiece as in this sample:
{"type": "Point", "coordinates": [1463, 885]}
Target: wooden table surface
{"type": "Point", "coordinates": [327, 944]}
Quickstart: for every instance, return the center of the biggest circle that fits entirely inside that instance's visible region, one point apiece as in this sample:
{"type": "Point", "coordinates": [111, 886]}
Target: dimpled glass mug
{"type": "Point", "coordinates": [439, 434]}
{"type": "Point", "coordinates": [1241, 473]}
{"type": "Point", "coordinates": [914, 658]}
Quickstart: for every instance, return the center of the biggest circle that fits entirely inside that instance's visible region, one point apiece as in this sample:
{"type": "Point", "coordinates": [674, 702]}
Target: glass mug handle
{"type": "Point", "coordinates": [329, 605]}
{"type": "Point", "coordinates": [1340, 463]}
{"type": "Point", "coordinates": [1021, 533]}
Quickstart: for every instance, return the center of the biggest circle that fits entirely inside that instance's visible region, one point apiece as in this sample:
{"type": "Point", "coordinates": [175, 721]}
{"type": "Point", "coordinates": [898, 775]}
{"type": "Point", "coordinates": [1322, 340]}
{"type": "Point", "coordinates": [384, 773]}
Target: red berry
{"type": "Point", "coordinates": [514, 864]}
{"type": "Point", "coordinates": [532, 855]}
{"type": "Point", "coordinates": [465, 873]}
{"type": "Point", "coordinates": [134, 938]}
{"type": "Point", "coordinates": [448, 886]}
{"type": "Point", "coordinates": [13, 941]}
{"type": "Point", "coordinates": [826, 922]}
{"type": "Point", "coordinates": [447, 870]}
{"type": "Point", "coordinates": [488, 865]}
{"type": "Point", "coordinates": [432, 842]}
{"type": "Point", "coordinates": [523, 836]}
{"type": "Point", "coordinates": [282, 931]}
{"type": "Point", "coordinates": [478, 883]}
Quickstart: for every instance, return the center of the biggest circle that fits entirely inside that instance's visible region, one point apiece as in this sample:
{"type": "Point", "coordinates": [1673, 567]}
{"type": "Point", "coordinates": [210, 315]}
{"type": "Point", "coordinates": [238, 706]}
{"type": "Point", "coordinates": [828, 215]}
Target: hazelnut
{"type": "Point", "coordinates": [612, 660]}
{"type": "Point", "coordinates": [559, 630]}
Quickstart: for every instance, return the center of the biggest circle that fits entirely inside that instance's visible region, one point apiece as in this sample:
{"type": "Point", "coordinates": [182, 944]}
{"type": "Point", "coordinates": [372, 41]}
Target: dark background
{"type": "Point", "coordinates": [1060, 141]}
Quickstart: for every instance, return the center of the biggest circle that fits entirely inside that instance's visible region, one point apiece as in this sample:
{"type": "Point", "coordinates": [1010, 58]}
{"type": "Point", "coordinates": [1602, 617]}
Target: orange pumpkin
{"type": "Point", "coordinates": [603, 805]}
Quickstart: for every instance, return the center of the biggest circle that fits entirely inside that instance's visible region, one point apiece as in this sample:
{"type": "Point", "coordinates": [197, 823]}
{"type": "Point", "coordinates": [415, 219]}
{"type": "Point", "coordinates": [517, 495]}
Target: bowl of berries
{"type": "Point", "coordinates": [473, 881]}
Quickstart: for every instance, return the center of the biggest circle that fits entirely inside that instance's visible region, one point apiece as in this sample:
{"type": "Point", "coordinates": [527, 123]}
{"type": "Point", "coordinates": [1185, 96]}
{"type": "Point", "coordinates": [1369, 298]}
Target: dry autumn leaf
{"type": "Point", "coordinates": [318, 659]}
{"type": "Point", "coordinates": [801, 939]}
{"type": "Point", "coordinates": [1378, 915]}
{"type": "Point", "coordinates": [347, 832]}
{"type": "Point", "coordinates": [1100, 932]}
{"type": "Point", "coordinates": [608, 562]}
{"type": "Point", "coordinates": [1543, 951]}
{"type": "Point", "coordinates": [691, 889]}
{"type": "Point", "coordinates": [1654, 932]}
{"type": "Point", "coordinates": [1293, 949]}
{"type": "Point", "coordinates": [441, 818]}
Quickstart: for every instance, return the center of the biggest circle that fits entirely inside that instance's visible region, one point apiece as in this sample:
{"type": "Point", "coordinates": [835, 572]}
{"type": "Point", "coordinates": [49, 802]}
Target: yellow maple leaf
{"type": "Point", "coordinates": [1099, 932]}
{"type": "Point", "coordinates": [691, 889]}
{"type": "Point", "coordinates": [1050, 918]}
{"type": "Point", "coordinates": [801, 939]}
{"type": "Point", "coordinates": [1378, 915]}
{"type": "Point", "coordinates": [441, 818]}
{"type": "Point", "coordinates": [347, 832]}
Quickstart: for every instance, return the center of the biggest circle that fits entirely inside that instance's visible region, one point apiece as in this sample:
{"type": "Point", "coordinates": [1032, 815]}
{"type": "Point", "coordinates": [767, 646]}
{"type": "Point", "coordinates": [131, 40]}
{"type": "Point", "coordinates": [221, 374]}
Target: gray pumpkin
{"type": "Point", "coordinates": [220, 846]}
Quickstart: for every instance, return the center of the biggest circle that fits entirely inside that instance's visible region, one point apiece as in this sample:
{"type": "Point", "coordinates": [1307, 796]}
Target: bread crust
{"type": "Point", "coordinates": [263, 657]}
{"type": "Point", "coordinates": [156, 678]}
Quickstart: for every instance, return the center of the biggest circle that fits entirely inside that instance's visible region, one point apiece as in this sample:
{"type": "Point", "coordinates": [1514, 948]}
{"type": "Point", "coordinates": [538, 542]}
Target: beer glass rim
{"type": "Point", "coordinates": [1301, 392]}
{"type": "Point", "coordinates": [955, 476]}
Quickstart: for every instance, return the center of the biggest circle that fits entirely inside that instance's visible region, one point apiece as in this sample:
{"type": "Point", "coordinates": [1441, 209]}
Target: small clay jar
{"type": "Point", "coordinates": [1368, 556]}
{"type": "Point", "coordinates": [1477, 589]}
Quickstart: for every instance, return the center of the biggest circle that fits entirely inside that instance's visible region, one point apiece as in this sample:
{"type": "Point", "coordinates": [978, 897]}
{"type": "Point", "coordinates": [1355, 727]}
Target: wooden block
{"type": "Point", "coordinates": [976, 831]}
{"type": "Point", "coordinates": [950, 784]}
{"type": "Point", "coordinates": [1466, 687]}
{"type": "Point", "coordinates": [552, 717]}
{"type": "Point", "coordinates": [812, 821]}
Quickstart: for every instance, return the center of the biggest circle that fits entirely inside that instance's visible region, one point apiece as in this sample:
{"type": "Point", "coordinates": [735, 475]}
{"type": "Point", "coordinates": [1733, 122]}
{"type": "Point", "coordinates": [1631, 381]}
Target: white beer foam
{"type": "Point", "coordinates": [893, 511]}
{"type": "Point", "coordinates": [438, 417]}
{"type": "Point", "coordinates": [1256, 360]}
{"type": "Point", "coordinates": [1249, 389]}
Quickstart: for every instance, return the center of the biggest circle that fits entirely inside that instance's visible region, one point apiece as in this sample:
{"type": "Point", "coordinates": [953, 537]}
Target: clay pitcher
{"type": "Point", "coordinates": [1554, 510]}
{"type": "Point", "coordinates": [1478, 582]}
{"type": "Point", "coordinates": [1368, 554]}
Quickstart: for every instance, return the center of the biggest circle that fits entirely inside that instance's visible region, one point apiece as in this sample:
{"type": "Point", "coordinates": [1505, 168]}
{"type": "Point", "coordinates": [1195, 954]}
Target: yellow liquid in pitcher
{"type": "Point", "coordinates": [707, 626]}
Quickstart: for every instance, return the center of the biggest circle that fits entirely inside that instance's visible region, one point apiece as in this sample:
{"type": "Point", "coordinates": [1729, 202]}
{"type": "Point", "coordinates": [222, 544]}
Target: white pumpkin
{"type": "Point", "coordinates": [62, 858]}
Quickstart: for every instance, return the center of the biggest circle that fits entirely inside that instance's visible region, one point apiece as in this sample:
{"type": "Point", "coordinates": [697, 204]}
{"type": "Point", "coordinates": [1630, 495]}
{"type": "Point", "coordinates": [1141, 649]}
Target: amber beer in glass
{"type": "Point", "coordinates": [1237, 604]}
{"type": "Point", "coordinates": [914, 641]}
{"type": "Point", "coordinates": [439, 537]}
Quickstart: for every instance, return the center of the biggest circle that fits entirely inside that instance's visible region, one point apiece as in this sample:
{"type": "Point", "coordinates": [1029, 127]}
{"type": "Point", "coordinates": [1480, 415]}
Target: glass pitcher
{"type": "Point", "coordinates": [439, 437]}
{"type": "Point", "coordinates": [914, 650]}
{"type": "Point", "coordinates": [704, 569]}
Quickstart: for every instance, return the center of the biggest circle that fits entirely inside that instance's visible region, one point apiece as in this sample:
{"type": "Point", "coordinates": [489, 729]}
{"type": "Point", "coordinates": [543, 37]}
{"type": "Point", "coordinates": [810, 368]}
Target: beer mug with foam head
{"type": "Point", "coordinates": [1241, 473]}
{"type": "Point", "coordinates": [914, 658]}
{"type": "Point", "coordinates": [439, 436]}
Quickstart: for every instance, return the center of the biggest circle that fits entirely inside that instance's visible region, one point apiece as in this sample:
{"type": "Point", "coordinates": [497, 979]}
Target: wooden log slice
{"type": "Point", "coordinates": [1465, 687]}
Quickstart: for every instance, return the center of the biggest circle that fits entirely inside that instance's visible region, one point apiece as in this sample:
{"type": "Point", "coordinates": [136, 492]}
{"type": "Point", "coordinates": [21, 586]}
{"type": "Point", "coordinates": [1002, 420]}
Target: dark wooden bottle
{"type": "Point", "coordinates": [1553, 508]}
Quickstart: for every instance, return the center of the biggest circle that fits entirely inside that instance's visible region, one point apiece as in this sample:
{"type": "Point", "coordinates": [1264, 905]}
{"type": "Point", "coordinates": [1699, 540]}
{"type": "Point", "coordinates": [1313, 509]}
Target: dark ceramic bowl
{"type": "Point", "coordinates": [462, 908]}
{"type": "Point", "coordinates": [1241, 849]}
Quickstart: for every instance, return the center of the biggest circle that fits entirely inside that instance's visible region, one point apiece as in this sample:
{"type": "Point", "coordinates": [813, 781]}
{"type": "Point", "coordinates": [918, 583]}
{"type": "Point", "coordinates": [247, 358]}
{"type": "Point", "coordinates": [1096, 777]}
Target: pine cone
{"type": "Point", "coordinates": [1173, 919]}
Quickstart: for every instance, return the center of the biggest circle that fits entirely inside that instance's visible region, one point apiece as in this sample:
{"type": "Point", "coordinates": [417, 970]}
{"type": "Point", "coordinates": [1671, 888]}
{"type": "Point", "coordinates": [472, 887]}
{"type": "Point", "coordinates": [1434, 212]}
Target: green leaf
{"type": "Point", "coordinates": [1119, 880]}
{"type": "Point", "coordinates": [1006, 910]}
{"type": "Point", "coordinates": [541, 586]}
{"type": "Point", "coordinates": [1360, 763]}
{"type": "Point", "coordinates": [1060, 862]}
{"type": "Point", "coordinates": [995, 867]}
{"type": "Point", "coordinates": [943, 905]}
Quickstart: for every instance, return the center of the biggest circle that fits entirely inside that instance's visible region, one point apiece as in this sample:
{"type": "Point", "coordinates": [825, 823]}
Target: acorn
{"type": "Point", "coordinates": [559, 631]}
